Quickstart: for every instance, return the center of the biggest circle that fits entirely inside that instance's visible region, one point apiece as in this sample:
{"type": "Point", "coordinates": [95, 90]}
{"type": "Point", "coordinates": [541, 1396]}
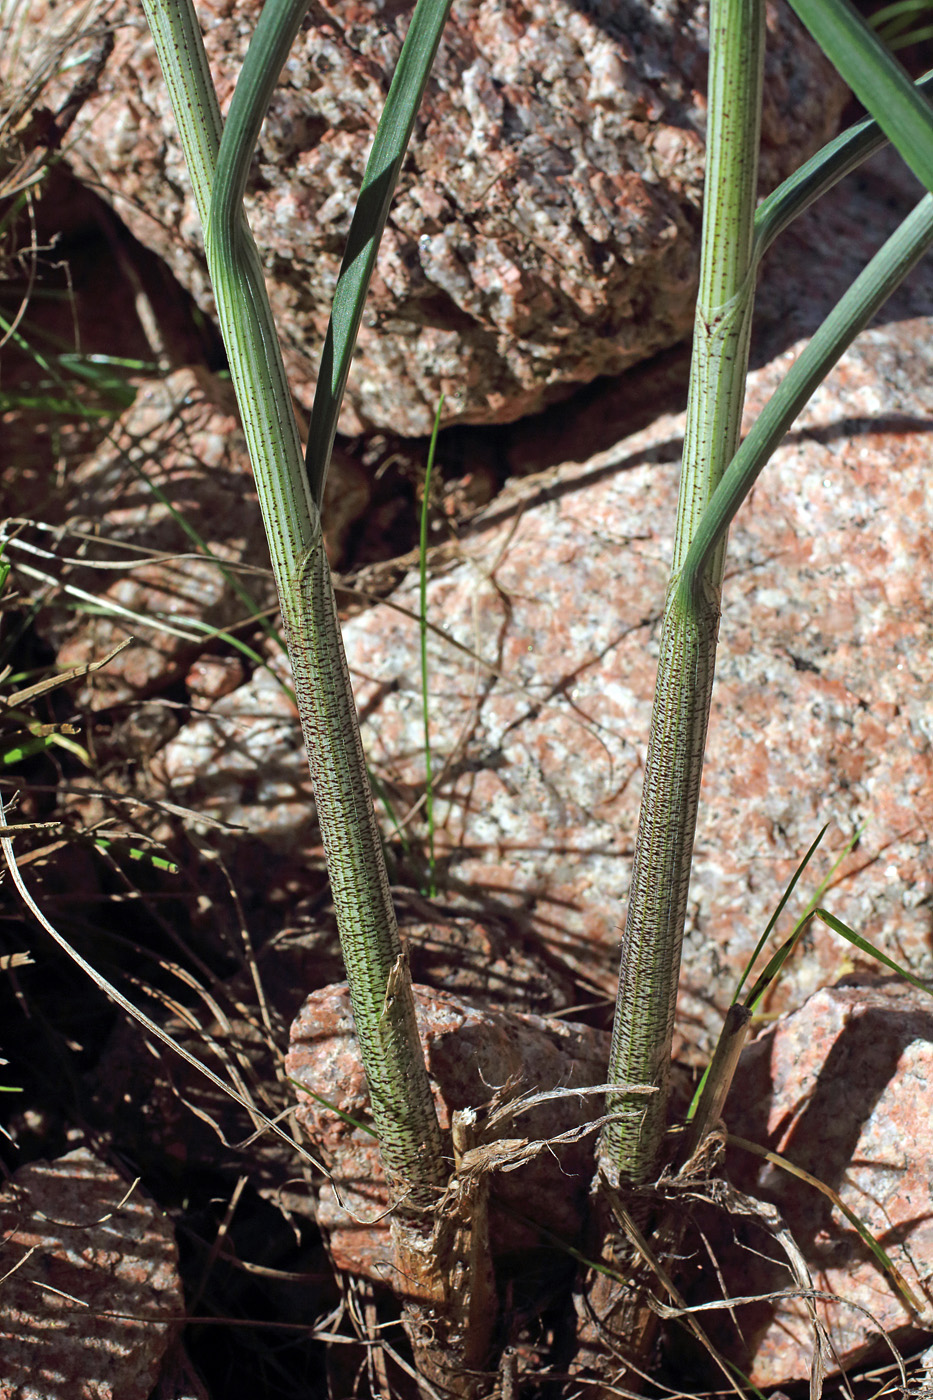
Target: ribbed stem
{"type": "Point", "coordinates": [377, 972]}
{"type": "Point", "coordinates": [653, 935]}
{"type": "Point", "coordinates": [377, 969]}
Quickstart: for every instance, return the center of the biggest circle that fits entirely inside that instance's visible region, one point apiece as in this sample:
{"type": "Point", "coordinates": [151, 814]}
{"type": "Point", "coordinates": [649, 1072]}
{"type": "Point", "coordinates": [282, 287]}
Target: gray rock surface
{"type": "Point", "coordinates": [546, 226]}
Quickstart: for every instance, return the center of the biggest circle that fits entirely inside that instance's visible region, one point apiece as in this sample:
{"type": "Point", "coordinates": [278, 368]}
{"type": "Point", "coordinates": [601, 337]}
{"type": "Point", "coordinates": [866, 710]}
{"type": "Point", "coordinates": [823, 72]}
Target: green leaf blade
{"type": "Point", "coordinates": [877, 79]}
{"type": "Point", "coordinates": [369, 220]}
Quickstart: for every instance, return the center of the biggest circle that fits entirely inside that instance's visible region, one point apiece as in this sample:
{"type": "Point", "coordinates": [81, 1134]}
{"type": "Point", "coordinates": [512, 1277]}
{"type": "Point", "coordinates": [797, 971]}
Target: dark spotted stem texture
{"type": "Point", "coordinates": [377, 969]}
{"type": "Point", "coordinates": [653, 935]}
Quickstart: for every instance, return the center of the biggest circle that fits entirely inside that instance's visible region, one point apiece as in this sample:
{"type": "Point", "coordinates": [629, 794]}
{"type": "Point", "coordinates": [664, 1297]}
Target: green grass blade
{"type": "Point", "coordinates": [19, 751]}
{"type": "Point", "coordinates": [382, 170]}
{"type": "Point", "coordinates": [103, 843]}
{"type": "Point", "coordinates": [893, 23]}
{"type": "Point", "coordinates": [819, 174]}
{"type": "Point", "coordinates": [864, 946]}
{"type": "Point", "coordinates": [706, 1104]}
{"type": "Point", "coordinates": [734, 1030]}
{"type": "Point", "coordinates": [382, 793]}
{"type": "Point", "coordinates": [116, 393]}
{"type": "Point", "coordinates": [791, 886]}
{"type": "Point", "coordinates": [765, 978]}
{"type": "Point", "coordinates": [775, 963]}
{"type": "Point", "coordinates": [901, 8]}
{"type": "Point", "coordinates": [916, 36]}
{"type": "Point", "coordinates": [333, 1108]}
{"type": "Point", "coordinates": [877, 79]}
{"type": "Point", "coordinates": [880, 1254]}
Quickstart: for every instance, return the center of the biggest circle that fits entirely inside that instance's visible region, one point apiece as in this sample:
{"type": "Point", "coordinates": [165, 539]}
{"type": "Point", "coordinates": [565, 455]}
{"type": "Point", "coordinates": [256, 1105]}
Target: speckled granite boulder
{"type": "Point", "coordinates": [546, 226]}
{"type": "Point", "coordinates": [821, 710]}
{"type": "Point", "coordinates": [470, 1054]}
{"type": "Point", "coordinates": [92, 1299]}
{"type": "Point", "coordinates": [841, 1089]}
{"type": "Point", "coordinates": [174, 462]}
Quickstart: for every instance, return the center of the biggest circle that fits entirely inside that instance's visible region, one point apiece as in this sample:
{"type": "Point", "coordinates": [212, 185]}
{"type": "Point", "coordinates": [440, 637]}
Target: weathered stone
{"type": "Point", "coordinates": [545, 231]}
{"type": "Point", "coordinates": [175, 462]}
{"type": "Point", "coordinates": [820, 712]}
{"type": "Point", "coordinates": [177, 451]}
{"type": "Point", "coordinates": [92, 1299]}
{"type": "Point", "coordinates": [470, 1053]}
{"type": "Point", "coordinates": [213, 677]}
{"type": "Point", "coordinates": [245, 756]}
{"type": "Point", "coordinates": [163, 1111]}
{"type": "Point", "coordinates": [841, 1089]}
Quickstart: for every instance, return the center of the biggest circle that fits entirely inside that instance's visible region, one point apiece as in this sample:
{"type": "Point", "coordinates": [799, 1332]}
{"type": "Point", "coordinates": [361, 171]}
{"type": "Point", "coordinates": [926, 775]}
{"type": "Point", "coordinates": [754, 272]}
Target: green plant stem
{"type": "Point", "coordinates": [654, 929]}
{"type": "Point", "coordinates": [820, 173]}
{"type": "Point", "coordinates": [423, 631]}
{"type": "Point", "coordinates": [369, 218]}
{"type": "Point", "coordinates": [653, 934]}
{"type": "Point", "coordinates": [868, 293]}
{"type": "Point", "coordinates": [377, 970]}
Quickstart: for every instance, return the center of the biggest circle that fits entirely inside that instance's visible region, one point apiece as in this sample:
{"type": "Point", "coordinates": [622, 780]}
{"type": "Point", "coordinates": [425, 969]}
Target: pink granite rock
{"type": "Point", "coordinates": [178, 448]}
{"type": "Point", "coordinates": [161, 1108]}
{"type": "Point", "coordinates": [175, 461]}
{"type": "Point", "coordinates": [821, 711]}
{"type": "Point", "coordinates": [841, 1089]}
{"type": "Point", "coordinates": [248, 745]}
{"type": "Point", "coordinates": [470, 1053]}
{"type": "Point", "coordinates": [545, 230]}
{"type": "Point", "coordinates": [92, 1299]}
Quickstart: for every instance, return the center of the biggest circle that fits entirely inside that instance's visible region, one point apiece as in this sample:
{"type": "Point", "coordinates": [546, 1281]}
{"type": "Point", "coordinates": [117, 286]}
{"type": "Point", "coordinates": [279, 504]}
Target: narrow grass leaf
{"type": "Point", "coordinates": [819, 174]}
{"type": "Point", "coordinates": [871, 289]}
{"type": "Point", "coordinates": [901, 9]}
{"type": "Point", "coordinates": [864, 946]}
{"type": "Point", "coordinates": [770, 972]}
{"type": "Point", "coordinates": [735, 1027]}
{"type": "Point", "coordinates": [382, 792]}
{"type": "Point", "coordinates": [883, 1258]}
{"type": "Point", "coordinates": [775, 963]}
{"type": "Point", "coordinates": [379, 181]}
{"type": "Point", "coordinates": [135, 853]}
{"type": "Point", "coordinates": [916, 36]}
{"type": "Point", "coordinates": [28, 748]}
{"type": "Point", "coordinates": [782, 902]}
{"type": "Point", "coordinates": [332, 1108]}
{"type": "Point", "coordinates": [877, 79]}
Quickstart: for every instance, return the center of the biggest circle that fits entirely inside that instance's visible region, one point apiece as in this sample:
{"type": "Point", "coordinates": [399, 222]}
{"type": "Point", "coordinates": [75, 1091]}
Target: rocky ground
{"type": "Point", "coordinates": [186, 862]}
